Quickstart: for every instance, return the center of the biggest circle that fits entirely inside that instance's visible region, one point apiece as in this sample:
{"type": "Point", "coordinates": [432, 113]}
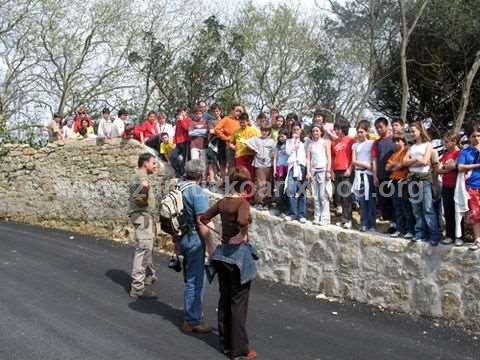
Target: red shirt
{"type": "Point", "coordinates": [78, 122]}
{"type": "Point", "coordinates": [342, 153]}
{"type": "Point", "coordinates": [450, 178]}
{"type": "Point", "coordinates": [181, 130]}
{"type": "Point", "coordinates": [148, 129]}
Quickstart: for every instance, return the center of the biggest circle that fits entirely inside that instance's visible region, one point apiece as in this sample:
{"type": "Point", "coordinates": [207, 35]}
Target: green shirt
{"type": "Point", "coordinates": [141, 199]}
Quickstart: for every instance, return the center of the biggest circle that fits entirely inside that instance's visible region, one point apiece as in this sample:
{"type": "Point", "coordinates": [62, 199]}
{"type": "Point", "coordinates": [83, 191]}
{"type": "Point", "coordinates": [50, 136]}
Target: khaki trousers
{"type": "Point", "coordinates": [263, 195]}
{"type": "Point", "coordinates": [142, 260]}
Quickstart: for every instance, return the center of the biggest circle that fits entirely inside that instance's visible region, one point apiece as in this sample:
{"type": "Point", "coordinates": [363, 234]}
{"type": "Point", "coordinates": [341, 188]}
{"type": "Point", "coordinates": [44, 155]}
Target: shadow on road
{"type": "Point", "coordinates": [156, 307]}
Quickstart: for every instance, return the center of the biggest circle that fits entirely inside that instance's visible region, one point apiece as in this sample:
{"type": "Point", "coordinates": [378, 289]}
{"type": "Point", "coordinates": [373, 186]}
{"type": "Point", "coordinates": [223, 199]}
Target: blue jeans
{"type": "Point", "coordinates": [426, 219]}
{"type": "Point", "coordinates": [368, 210]}
{"type": "Point", "coordinates": [193, 251]}
{"type": "Point", "coordinates": [404, 220]}
{"type": "Point", "coordinates": [297, 201]}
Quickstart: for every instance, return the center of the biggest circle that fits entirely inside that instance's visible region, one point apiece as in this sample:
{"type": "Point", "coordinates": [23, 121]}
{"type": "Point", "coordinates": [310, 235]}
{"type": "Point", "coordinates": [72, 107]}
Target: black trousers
{"type": "Point", "coordinates": [179, 157]}
{"type": "Point", "coordinates": [343, 194]}
{"type": "Point", "coordinates": [232, 310]}
{"type": "Point", "coordinates": [385, 203]}
{"type": "Point", "coordinates": [449, 211]}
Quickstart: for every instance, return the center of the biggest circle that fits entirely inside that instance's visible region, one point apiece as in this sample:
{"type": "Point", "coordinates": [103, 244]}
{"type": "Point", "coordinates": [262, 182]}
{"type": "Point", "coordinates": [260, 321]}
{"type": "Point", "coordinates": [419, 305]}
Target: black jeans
{"type": "Point", "coordinates": [449, 211]}
{"type": "Point", "coordinates": [232, 310]}
{"type": "Point", "coordinates": [180, 155]}
{"type": "Point", "coordinates": [343, 194]}
{"type": "Point", "coordinates": [385, 203]}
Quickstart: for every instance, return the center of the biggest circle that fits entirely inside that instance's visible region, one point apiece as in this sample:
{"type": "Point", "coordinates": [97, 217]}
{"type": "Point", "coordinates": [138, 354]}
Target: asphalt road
{"type": "Point", "coordinates": [63, 298]}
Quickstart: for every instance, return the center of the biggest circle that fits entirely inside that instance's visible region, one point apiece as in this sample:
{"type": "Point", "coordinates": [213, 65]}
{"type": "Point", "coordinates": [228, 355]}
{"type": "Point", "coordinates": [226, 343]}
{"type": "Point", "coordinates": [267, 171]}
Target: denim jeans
{"type": "Point", "coordinates": [426, 220]}
{"type": "Point", "coordinates": [320, 197]}
{"type": "Point", "coordinates": [343, 194]}
{"type": "Point", "coordinates": [193, 251]}
{"type": "Point", "coordinates": [297, 201]}
{"type": "Point", "coordinates": [368, 210]}
{"type": "Point", "coordinates": [404, 220]}
{"type": "Point", "coordinates": [282, 200]}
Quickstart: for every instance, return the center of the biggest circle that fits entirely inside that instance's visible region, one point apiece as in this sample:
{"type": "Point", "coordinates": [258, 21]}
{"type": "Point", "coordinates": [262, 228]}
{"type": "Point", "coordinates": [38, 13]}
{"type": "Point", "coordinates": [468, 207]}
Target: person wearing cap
{"type": "Point", "coordinates": [105, 125]}
{"type": "Point", "coordinates": [82, 115]}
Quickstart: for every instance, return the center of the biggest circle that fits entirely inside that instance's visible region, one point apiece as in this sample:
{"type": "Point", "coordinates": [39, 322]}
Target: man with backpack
{"type": "Point", "coordinates": [192, 245]}
{"type": "Point", "coordinates": [142, 210]}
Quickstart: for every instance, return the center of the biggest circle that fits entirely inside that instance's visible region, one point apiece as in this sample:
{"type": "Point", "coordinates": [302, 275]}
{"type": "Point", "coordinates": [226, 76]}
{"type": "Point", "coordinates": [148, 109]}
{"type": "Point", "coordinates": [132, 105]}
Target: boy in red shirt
{"type": "Point", "coordinates": [449, 172]}
{"type": "Point", "coordinates": [342, 171]}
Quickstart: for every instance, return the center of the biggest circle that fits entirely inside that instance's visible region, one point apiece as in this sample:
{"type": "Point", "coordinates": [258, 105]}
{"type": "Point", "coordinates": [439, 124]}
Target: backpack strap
{"type": "Point", "coordinates": [185, 186]}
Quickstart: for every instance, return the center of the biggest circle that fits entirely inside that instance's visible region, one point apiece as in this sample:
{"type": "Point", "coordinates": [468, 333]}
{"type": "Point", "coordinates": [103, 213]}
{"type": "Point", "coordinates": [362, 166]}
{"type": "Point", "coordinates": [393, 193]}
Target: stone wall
{"type": "Point", "coordinates": [80, 186]}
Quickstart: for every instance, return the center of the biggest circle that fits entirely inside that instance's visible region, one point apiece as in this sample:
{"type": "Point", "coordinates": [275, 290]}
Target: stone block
{"type": "Point", "coordinates": [448, 274]}
{"type": "Point", "coordinates": [312, 277]}
{"type": "Point", "coordinates": [452, 304]}
{"type": "Point", "coordinates": [426, 298]}
{"type": "Point", "coordinates": [320, 253]}
{"type": "Point", "coordinates": [471, 288]}
{"type": "Point", "coordinates": [414, 265]}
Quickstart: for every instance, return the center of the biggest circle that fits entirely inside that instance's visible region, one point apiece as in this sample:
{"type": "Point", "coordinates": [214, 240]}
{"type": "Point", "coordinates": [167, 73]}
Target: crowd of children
{"type": "Point", "coordinates": [395, 174]}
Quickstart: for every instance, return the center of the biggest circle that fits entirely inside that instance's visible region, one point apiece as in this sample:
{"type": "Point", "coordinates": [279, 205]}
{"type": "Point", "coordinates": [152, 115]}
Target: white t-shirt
{"type": "Point", "coordinates": [417, 151]}
{"type": "Point", "coordinates": [363, 152]}
{"type": "Point", "coordinates": [318, 150]}
{"type": "Point", "coordinates": [167, 128]}
{"type": "Point", "coordinates": [264, 151]}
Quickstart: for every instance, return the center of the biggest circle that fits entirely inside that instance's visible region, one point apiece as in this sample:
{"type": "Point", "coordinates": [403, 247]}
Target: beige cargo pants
{"type": "Point", "coordinates": [142, 260]}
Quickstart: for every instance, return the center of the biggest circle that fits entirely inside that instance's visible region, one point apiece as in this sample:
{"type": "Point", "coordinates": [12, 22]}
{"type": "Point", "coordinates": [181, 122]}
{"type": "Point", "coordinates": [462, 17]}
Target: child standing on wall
{"type": "Point", "coordinates": [342, 171]}
{"type": "Point", "coordinates": [363, 186]}
{"type": "Point", "coordinates": [263, 161]}
{"type": "Point", "coordinates": [404, 220]}
{"type": "Point", "coordinates": [280, 169]}
{"type": "Point", "coordinates": [319, 161]}
{"type": "Point", "coordinates": [166, 147]}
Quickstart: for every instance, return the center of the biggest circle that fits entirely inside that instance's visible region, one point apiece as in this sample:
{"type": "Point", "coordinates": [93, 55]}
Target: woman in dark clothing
{"type": "Point", "coordinates": [233, 254]}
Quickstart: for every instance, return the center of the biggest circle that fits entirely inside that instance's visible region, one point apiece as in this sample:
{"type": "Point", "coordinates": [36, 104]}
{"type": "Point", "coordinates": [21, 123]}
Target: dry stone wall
{"type": "Point", "coordinates": [82, 186]}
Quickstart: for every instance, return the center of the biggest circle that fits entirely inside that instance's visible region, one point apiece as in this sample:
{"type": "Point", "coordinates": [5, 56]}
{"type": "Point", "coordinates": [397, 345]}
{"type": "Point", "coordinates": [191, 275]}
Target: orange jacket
{"type": "Point", "coordinates": [226, 128]}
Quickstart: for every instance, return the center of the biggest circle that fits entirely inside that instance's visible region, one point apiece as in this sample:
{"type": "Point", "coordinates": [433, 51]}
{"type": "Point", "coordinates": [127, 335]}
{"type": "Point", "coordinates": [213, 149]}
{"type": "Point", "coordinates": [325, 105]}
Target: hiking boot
{"type": "Point", "coordinates": [175, 264]}
{"type": "Point", "coordinates": [252, 354]}
{"type": "Point", "coordinates": [150, 280]}
{"type": "Point", "coordinates": [143, 294]}
{"type": "Point", "coordinates": [199, 329]}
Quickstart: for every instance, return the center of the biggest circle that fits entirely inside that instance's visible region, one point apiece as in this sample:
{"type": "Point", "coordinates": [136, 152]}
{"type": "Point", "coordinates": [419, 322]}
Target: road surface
{"type": "Point", "coordinates": [64, 298]}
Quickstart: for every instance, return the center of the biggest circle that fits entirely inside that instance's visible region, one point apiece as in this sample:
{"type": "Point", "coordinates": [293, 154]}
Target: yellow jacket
{"type": "Point", "coordinates": [239, 136]}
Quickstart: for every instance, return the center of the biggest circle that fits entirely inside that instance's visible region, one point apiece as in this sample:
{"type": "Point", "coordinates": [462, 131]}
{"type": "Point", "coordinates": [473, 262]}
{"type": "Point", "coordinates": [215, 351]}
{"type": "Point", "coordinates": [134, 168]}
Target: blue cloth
{"type": "Point", "coordinates": [469, 156]}
{"type": "Point", "coordinates": [192, 247]}
{"type": "Point", "coordinates": [385, 149]}
{"type": "Point", "coordinates": [296, 192]}
{"type": "Point", "coordinates": [367, 207]}
{"type": "Point", "coordinates": [282, 156]}
{"type": "Point", "coordinates": [243, 256]}
{"type": "Point", "coordinates": [426, 218]}
{"type": "Point", "coordinates": [404, 220]}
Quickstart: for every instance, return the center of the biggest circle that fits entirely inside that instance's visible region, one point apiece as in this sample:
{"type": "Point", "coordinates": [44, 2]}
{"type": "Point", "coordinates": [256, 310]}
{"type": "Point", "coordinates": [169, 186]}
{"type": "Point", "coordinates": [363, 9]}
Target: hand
{"type": "Point", "coordinates": [309, 177]}
{"type": "Point", "coordinates": [145, 184]}
{"type": "Point", "coordinates": [347, 173]}
{"type": "Point", "coordinates": [328, 175]}
{"type": "Point", "coordinates": [332, 175]}
{"type": "Point", "coordinates": [231, 146]}
{"type": "Point", "coordinates": [375, 180]}
{"type": "Point", "coordinates": [274, 173]}
{"type": "Point", "coordinates": [238, 239]}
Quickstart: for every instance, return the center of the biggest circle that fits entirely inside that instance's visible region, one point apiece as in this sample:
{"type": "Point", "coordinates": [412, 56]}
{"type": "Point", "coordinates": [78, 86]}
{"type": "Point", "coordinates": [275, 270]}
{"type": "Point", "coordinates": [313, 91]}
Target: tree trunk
{"type": "Point", "coordinates": [467, 85]}
{"type": "Point", "coordinates": [405, 88]}
{"type": "Point", "coordinates": [63, 99]}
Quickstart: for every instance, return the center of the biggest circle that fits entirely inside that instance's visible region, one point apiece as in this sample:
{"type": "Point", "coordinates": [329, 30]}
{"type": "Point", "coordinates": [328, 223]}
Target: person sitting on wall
{"type": "Point", "coordinates": [82, 115]}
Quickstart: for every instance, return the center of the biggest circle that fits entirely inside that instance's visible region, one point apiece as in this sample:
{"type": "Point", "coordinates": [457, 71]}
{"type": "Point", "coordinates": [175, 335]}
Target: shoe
{"type": "Point", "coordinates": [339, 211]}
{"type": "Point", "coordinates": [347, 225]}
{"type": "Point", "coordinates": [175, 264]}
{"type": "Point", "coordinates": [143, 294]}
{"type": "Point", "coordinates": [252, 354]}
{"type": "Point", "coordinates": [408, 236]}
{"type": "Point", "coordinates": [258, 207]}
{"type": "Point", "coordinates": [459, 242]}
{"type": "Point", "coordinates": [302, 220]}
{"type": "Point", "coordinates": [475, 246]}
{"type": "Point", "coordinates": [199, 329]}
{"type": "Point", "coordinates": [363, 229]}
{"type": "Point", "coordinates": [288, 218]}
{"type": "Point", "coordinates": [316, 221]}
{"type": "Point", "coordinates": [339, 224]}
{"type": "Point", "coordinates": [150, 280]}
{"type": "Point", "coordinates": [396, 234]}
{"type": "Point", "coordinates": [447, 241]}
{"type": "Point", "coordinates": [392, 230]}
{"type": "Point", "coordinates": [434, 243]}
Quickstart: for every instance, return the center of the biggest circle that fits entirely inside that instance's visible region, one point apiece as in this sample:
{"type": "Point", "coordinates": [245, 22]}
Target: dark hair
{"type": "Point", "coordinates": [452, 135]}
{"type": "Point", "coordinates": [82, 131]}
{"type": "Point", "coordinates": [364, 125]}
{"type": "Point", "coordinates": [57, 116]}
{"type": "Point", "coordinates": [122, 111]}
{"type": "Point", "coordinates": [262, 116]}
{"type": "Point", "coordinates": [143, 158]}
{"type": "Point", "coordinates": [280, 116]}
{"type": "Point", "coordinates": [234, 105]}
{"type": "Point", "coordinates": [398, 121]}
{"type": "Point", "coordinates": [423, 132]}
{"type": "Point", "coordinates": [292, 116]}
{"type": "Point", "coordinates": [106, 110]}
{"type": "Point", "coordinates": [401, 138]}
{"type": "Point", "coordinates": [381, 120]}
{"type": "Point", "coordinates": [197, 108]}
{"type": "Point", "coordinates": [342, 125]}
{"type": "Point", "coordinates": [274, 110]}
{"type": "Point", "coordinates": [215, 106]}
{"type": "Point", "coordinates": [319, 112]}
{"type": "Point", "coordinates": [239, 176]}
{"type": "Point", "coordinates": [266, 128]}
{"type": "Point", "coordinates": [322, 132]}
{"type": "Point", "coordinates": [151, 112]}
{"type": "Point", "coordinates": [163, 134]}
{"type": "Point", "coordinates": [471, 128]}
{"type": "Point", "coordinates": [243, 116]}
{"type": "Point", "coordinates": [282, 132]}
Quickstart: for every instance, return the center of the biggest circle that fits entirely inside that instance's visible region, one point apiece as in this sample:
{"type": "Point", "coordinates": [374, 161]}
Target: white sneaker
{"type": "Point", "coordinates": [475, 246]}
{"type": "Point", "coordinates": [408, 236]}
{"type": "Point", "coordinates": [316, 221]}
{"type": "Point", "coordinates": [447, 241]}
{"type": "Point", "coordinates": [459, 242]}
{"type": "Point", "coordinates": [287, 218]}
{"type": "Point", "coordinates": [347, 225]}
{"type": "Point", "coordinates": [302, 220]}
{"type": "Point", "coordinates": [396, 234]}
{"type": "Point", "coordinates": [338, 211]}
